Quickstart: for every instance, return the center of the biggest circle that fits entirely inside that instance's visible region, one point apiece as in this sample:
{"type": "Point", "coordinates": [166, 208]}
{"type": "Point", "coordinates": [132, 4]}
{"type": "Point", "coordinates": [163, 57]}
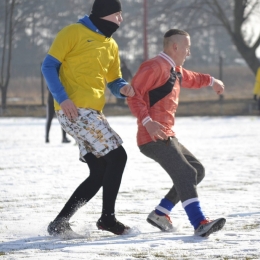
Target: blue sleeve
{"type": "Point", "coordinates": [115, 87]}
{"type": "Point", "coordinates": [50, 71]}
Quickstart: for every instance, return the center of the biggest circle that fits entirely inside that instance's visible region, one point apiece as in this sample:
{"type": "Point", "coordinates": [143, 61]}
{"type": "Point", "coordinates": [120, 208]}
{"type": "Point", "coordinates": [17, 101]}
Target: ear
{"type": "Point", "coordinates": [175, 46]}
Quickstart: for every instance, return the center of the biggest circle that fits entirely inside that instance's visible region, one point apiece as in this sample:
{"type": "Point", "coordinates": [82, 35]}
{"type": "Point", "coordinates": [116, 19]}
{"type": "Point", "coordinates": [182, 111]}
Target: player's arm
{"type": "Point", "coordinates": [195, 80]}
{"type": "Point", "coordinates": [62, 44]}
{"type": "Point", "coordinates": [119, 87]}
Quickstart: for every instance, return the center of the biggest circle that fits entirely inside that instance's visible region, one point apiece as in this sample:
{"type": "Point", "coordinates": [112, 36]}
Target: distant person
{"type": "Point", "coordinates": [157, 87]}
{"type": "Point", "coordinates": [257, 90]}
{"type": "Point", "coordinates": [127, 75]}
{"type": "Point", "coordinates": [50, 114]}
{"type": "Point", "coordinates": [81, 59]}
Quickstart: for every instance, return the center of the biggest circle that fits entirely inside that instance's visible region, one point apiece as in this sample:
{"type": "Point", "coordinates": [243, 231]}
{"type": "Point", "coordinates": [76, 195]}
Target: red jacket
{"type": "Point", "coordinates": [157, 88]}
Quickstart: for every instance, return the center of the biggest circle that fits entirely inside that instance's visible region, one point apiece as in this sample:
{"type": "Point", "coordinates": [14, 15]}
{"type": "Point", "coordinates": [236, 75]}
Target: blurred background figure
{"type": "Point", "coordinates": [127, 75]}
{"type": "Point", "coordinates": [49, 116]}
{"type": "Point", "coordinates": [257, 90]}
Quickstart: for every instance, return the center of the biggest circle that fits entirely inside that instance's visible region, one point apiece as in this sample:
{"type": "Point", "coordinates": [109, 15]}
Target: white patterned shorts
{"type": "Point", "coordinates": [91, 131]}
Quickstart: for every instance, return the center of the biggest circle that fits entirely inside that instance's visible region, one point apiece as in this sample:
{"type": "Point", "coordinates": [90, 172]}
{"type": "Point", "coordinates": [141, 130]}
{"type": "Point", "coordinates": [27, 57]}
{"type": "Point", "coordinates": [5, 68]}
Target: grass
{"type": "Point", "coordinates": [251, 226]}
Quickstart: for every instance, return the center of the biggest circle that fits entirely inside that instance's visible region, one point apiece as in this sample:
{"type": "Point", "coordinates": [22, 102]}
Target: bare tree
{"type": "Point", "coordinates": [7, 49]}
{"type": "Point", "coordinates": [236, 17]}
{"type": "Point", "coordinates": [209, 37]}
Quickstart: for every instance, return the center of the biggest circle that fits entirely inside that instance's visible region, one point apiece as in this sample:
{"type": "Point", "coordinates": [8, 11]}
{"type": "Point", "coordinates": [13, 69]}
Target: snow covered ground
{"type": "Point", "coordinates": [36, 180]}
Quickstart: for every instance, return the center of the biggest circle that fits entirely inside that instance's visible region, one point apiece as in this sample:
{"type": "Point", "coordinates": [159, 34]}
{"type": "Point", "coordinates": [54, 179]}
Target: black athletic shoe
{"type": "Point", "coordinates": [118, 229]}
{"type": "Point", "coordinates": [61, 229]}
{"type": "Point", "coordinates": [65, 140]}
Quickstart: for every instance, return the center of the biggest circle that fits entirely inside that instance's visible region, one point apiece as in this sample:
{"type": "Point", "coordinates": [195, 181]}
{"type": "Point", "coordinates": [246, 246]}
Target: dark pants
{"type": "Point", "coordinates": [50, 114]}
{"type": "Point", "coordinates": [181, 165]}
{"type": "Point", "coordinates": [105, 172]}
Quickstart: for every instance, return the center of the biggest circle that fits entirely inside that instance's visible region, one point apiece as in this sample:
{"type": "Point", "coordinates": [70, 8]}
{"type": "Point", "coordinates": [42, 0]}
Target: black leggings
{"type": "Point", "coordinates": [105, 172]}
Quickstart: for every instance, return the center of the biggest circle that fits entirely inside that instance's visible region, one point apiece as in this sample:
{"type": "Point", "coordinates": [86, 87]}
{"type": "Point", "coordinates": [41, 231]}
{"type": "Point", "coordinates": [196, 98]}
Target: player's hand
{"type": "Point", "coordinates": [127, 90]}
{"type": "Point", "coordinates": [218, 86]}
{"type": "Point", "coordinates": [69, 109]}
{"type": "Point", "coordinates": [155, 130]}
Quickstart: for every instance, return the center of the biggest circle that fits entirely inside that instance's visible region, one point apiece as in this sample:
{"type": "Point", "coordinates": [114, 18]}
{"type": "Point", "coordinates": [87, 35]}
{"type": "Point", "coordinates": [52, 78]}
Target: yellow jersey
{"type": "Point", "coordinates": [88, 61]}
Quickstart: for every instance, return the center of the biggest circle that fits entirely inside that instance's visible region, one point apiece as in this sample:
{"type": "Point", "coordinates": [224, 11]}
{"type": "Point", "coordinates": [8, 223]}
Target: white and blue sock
{"type": "Point", "coordinates": [164, 208]}
{"type": "Point", "coordinates": [194, 212]}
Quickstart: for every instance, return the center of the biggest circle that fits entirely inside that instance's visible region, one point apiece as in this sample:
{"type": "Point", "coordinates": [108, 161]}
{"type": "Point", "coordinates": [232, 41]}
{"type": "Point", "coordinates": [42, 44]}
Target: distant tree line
{"type": "Point", "coordinates": [217, 27]}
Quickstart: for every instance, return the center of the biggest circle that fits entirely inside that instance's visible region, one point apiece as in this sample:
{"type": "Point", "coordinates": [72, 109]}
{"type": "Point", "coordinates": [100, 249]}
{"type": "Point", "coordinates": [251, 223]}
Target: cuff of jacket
{"type": "Point", "coordinates": [115, 87]}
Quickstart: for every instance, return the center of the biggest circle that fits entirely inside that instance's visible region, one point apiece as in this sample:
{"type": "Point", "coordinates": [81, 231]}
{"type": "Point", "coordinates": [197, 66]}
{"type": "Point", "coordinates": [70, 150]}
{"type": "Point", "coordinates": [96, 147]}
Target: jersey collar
{"type": "Point", "coordinates": [168, 58]}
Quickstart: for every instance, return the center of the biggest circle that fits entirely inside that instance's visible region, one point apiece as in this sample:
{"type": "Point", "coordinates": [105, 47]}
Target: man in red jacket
{"type": "Point", "coordinates": [157, 86]}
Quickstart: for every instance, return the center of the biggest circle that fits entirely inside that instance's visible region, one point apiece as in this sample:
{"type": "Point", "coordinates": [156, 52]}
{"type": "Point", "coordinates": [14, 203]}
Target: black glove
{"type": "Point", "coordinates": [255, 97]}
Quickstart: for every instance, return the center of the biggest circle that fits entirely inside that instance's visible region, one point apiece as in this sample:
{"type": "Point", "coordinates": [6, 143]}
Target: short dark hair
{"type": "Point", "coordinates": [172, 32]}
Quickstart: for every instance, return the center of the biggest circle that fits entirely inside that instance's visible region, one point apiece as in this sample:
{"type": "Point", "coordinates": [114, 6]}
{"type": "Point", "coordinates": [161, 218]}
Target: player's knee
{"type": "Point", "coordinates": [117, 156]}
{"type": "Point", "coordinates": [121, 156]}
{"type": "Point", "coordinates": [200, 173]}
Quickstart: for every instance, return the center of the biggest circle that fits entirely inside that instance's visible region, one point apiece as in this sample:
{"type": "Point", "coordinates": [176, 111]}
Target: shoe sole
{"type": "Point", "coordinates": [216, 227]}
{"type": "Point", "coordinates": [122, 233]}
{"type": "Point", "coordinates": [66, 235]}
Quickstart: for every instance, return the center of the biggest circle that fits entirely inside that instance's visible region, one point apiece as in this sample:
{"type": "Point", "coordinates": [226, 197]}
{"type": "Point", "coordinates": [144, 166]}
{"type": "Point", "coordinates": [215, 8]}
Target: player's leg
{"type": "Point", "coordinates": [94, 136]}
{"type": "Point", "coordinates": [49, 116]}
{"type": "Point", "coordinates": [64, 137]}
{"type": "Point", "coordinates": [84, 192]}
{"type": "Point", "coordinates": [194, 162]}
{"type": "Point", "coordinates": [115, 164]}
{"type": "Point", "coordinates": [169, 155]}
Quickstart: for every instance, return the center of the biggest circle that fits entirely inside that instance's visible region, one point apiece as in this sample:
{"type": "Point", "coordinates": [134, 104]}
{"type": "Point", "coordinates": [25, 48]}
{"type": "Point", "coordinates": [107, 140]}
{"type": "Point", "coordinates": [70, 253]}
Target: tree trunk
{"type": "Point", "coordinates": [239, 17]}
{"type": "Point", "coordinates": [247, 53]}
{"type": "Point", "coordinates": [7, 51]}
{"type": "Point", "coordinates": [3, 97]}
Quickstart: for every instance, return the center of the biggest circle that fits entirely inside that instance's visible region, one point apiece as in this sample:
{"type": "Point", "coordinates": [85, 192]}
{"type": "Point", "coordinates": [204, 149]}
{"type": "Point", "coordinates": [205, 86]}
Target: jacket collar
{"type": "Point", "coordinates": [168, 58]}
{"type": "Point", "coordinates": [87, 22]}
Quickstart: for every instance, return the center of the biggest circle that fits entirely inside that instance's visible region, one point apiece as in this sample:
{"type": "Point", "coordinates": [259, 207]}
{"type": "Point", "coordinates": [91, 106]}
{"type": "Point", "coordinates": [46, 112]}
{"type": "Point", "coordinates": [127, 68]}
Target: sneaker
{"type": "Point", "coordinates": [209, 226]}
{"type": "Point", "coordinates": [118, 229]}
{"type": "Point", "coordinates": [164, 223]}
{"type": "Point", "coordinates": [62, 229]}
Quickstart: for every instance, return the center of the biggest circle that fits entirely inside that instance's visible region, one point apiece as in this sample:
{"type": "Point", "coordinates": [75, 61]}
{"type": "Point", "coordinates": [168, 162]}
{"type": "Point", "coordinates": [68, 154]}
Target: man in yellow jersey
{"type": "Point", "coordinates": [256, 90]}
{"type": "Point", "coordinates": [82, 59]}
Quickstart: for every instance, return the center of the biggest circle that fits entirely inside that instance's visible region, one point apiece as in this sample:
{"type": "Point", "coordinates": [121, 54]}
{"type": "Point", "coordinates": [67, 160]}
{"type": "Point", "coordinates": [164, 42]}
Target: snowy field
{"type": "Point", "coordinates": [36, 180]}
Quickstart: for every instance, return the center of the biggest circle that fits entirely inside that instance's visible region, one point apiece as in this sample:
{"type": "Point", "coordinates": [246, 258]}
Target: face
{"type": "Point", "coordinates": [115, 18]}
{"type": "Point", "coordinates": [182, 50]}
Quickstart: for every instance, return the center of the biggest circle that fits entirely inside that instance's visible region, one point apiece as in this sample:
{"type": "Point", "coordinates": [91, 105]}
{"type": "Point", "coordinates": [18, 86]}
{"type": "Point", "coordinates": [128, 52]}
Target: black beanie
{"type": "Point", "coordinates": [102, 8]}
